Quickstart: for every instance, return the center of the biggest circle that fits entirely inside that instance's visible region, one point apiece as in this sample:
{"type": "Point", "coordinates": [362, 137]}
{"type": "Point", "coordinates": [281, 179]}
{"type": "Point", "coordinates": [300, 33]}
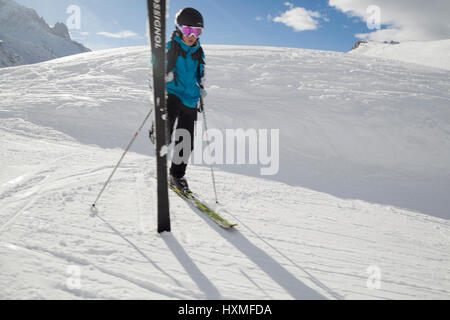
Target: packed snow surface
{"type": "Point", "coordinates": [434, 54]}
{"type": "Point", "coordinates": [352, 213]}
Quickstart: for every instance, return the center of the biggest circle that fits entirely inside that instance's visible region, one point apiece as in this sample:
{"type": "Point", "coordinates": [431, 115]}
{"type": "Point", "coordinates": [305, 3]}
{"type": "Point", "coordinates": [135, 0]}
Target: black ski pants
{"type": "Point", "coordinates": [186, 120]}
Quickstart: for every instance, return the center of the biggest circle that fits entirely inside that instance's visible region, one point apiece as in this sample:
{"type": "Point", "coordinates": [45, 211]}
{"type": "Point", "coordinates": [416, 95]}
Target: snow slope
{"type": "Point", "coordinates": [64, 124]}
{"type": "Point", "coordinates": [26, 38]}
{"type": "Point", "coordinates": [352, 126]}
{"type": "Point", "coordinates": [434, 54]}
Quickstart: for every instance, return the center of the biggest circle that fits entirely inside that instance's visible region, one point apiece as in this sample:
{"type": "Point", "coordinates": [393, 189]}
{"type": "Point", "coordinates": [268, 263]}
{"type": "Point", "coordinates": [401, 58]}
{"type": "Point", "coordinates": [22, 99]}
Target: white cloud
{"type": "Point", "coordinates": [289, 4]}
{"type": "Point", "coordinates": [119, 35]}
{"type": "Point", "coordinates": [299, 18]}
{"type": "Point", "coordinates": [268, 18]}
{"type": "Point", "coordinates": [405, 19]}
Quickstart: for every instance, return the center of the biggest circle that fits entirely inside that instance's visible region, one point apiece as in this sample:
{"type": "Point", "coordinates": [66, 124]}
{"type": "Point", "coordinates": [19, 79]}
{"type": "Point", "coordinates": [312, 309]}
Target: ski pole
{"type": "Point", "coordinates": [121, 158]}
{"type": "Point", "coordinates": [207, 138]}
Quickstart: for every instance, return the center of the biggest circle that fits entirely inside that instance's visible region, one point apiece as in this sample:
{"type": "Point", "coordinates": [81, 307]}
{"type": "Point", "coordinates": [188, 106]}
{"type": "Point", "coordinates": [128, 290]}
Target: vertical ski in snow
{"type": "Point", "coordinates": [157, 27]}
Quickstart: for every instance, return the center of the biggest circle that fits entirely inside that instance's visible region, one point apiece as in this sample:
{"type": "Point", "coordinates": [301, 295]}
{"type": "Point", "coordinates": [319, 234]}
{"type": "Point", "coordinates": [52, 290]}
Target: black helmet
{"type": "Point", "coordinates": [189, 17]}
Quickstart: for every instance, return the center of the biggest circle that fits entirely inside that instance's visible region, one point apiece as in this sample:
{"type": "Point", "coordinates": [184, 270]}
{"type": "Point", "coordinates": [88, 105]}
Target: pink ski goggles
{"type": "Point", "coordinates": [191, 31]}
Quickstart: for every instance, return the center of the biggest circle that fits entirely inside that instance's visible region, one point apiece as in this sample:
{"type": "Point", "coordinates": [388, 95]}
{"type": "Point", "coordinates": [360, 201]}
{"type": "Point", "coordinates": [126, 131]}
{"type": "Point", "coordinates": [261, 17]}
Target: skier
{"type": "Point", "coordinates": [185, 80]}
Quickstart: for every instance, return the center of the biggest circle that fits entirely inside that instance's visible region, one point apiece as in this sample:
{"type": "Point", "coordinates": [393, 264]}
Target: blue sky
{"type": "Point", "coordinates": [118, 23]}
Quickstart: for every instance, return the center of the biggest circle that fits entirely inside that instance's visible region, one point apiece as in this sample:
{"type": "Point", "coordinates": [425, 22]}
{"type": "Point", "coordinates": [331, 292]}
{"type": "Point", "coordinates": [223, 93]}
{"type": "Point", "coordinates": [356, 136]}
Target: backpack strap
{"type": "Point", "coordinates": [199, 56]}
{"type": "Point", "coordinates": [173, 54]}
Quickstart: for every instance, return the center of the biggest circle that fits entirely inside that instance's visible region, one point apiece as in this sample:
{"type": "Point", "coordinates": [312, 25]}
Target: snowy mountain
{"type": "Point", "coordinates": [26, 38]}
{"type": "Point", "coordinates": [428, 53]}
{"type": "Point", "coordinates": [364, 171]}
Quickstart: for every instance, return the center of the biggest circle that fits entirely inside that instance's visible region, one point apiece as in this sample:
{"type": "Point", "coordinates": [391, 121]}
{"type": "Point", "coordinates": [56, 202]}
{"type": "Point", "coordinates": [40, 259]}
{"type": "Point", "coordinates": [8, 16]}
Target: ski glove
{"type": "Point", "coordinates": [203, 93]}
{"type": "Point", "coordinates": [169, 77]}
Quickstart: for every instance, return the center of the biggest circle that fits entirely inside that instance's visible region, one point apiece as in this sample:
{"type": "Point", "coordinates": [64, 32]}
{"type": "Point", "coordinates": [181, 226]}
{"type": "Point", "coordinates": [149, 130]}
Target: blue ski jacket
{"type": "Point", "coordinates": [188, 73]}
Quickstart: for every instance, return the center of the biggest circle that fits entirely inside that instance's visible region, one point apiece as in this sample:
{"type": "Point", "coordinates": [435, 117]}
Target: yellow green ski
{"type": "Point", "coordinates": [200, 205]}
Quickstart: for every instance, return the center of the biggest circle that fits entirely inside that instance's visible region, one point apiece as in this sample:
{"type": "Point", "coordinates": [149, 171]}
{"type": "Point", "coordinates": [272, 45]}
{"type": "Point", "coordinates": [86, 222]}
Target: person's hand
{"type": "Point", "coordinates": [203, 93]}
{"type": "Point", "coordinates": [169, 77]}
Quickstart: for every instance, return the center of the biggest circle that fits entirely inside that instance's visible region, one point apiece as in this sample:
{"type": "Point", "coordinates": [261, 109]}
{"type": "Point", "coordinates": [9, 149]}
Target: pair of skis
{"type": "Point", "coordinates": [157, 27]}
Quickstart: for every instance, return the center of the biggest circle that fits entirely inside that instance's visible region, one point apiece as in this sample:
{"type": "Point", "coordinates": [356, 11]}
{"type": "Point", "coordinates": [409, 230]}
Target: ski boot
{"type": "Point", "coordinates": [180, 184]}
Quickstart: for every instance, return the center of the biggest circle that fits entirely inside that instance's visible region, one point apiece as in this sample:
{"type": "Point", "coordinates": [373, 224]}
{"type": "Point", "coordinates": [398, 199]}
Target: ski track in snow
{"type": "Point", "coordinates": [291, 242]}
